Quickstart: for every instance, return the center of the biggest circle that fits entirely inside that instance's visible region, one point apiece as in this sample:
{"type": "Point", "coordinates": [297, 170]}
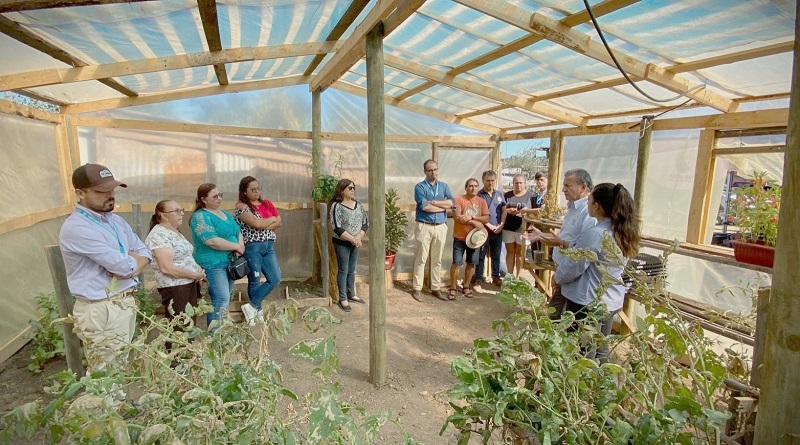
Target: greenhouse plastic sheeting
{"type": "Point", "coordinates": [30, 176]}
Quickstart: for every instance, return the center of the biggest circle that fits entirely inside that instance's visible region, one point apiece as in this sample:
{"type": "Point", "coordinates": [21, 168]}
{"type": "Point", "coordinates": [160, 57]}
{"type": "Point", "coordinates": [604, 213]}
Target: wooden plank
{"type": "Point", "coordinates": [29, 5]}
{"type": "Point", "coordinates": [20, 222]}
{"type": "Point", "coordinates": [705, 253]}
{"type": "Point", "coordinates": [600, 9]}
{"type": "Point", "coordinates": [342, 25]}
{"type": "Point", "coordinates": [700, 204]}
{"type": "Point", "coordinates": [389, 100]}
{"type": "Point", "coordinates": [8, 107]}
{"type": "Point", "coordinates": [753, 149]}
{"type": "Point", "coordinates": [208, 16]}
{"type": "Point", "coordinates": [762, 315]}
{"type": "Point", "coordinates": [65, 164]}
{"type": "Point", "coordinates": [238, 87]}
{"type": "Point", "coordinates": [555, 162]}
{"type": "Point", "coordinates": [21, 34]}
{"type": "Point", "coordinates": [376, 124]}
{"type": "Point", "coordinates": [94, 72]}
{"type": "Point", "coordinates": [15, 344]}
{"type": "Point", "coordinates": [353, 48]}
{"type": "Point", "coordinates": [482, 90]}
{"type": "Point", "coordinates": [40, 97]}
{"type": "Point", "coordinates": [465, 145]}
{"type": "Point", "coordinates": [746, 119]}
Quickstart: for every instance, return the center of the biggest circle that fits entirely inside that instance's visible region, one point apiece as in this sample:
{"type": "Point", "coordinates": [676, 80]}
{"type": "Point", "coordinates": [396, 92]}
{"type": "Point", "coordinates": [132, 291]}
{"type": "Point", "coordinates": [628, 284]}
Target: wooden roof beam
{"type": "Point", "coordinates": [482, 90]}
{"type": "Point", "coordinates": [347, 19]}
{"type": "Point", "coordinates": [108, 104]}
{"type": "Point", "coordinates": [389, 100]}
{"type": "Point", "coordinates": [571, 20]}
{"type": "Point", "coordinates": [23, 35]}
{"type": "Point", "coordinates": [583, 44]}
{"type": "Point", "coordinates": [391, 12]}
{"type": "Point", "coordinates": [208, 15]}
{"type": "Point", "coordinates": [30, 5]}
{"type": "Point", "coordinates": [96, 72]}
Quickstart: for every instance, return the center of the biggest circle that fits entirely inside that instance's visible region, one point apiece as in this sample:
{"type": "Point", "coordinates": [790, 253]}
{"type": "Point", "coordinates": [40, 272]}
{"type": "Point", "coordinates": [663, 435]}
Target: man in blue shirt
{"type": "Point", "coordinates": [430, 229]}
{"type": "Point", "coordinates": [577, 187]}
{"type": "Point", "coordinates": [102, 258]}
{"type": "Point", "coordinates": [497, 219]}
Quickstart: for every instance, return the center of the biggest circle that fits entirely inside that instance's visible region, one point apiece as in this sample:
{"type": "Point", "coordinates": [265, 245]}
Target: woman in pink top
{"type": "Point", "coordinates": [258, 219]}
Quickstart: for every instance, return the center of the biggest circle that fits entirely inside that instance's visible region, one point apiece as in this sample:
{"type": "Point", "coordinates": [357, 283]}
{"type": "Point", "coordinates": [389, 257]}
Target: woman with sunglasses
{"type": "Point", "coordinates": [258, 218]}
{"type": "Point", "coordinates": [178, 275]}
{"type": "Point", "coordinates": [215, 235]}
{"type": "Point", "coordinates": [349, 222]}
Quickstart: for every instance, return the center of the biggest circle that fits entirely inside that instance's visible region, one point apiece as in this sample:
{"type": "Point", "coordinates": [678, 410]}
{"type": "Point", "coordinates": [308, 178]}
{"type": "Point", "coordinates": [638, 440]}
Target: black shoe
{"type": "Point", "coordinates": [344, 308]}
{"type": "Point", "coordinates": [417, 295]}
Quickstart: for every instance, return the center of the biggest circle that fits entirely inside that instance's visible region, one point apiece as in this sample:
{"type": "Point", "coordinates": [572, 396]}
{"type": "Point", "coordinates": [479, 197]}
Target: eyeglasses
{"type": "Point", "coordinates": [431, 170]}
{"type": "Point", "coordinates": [178, 211]}
{"type": "Point", "coordinates": [352, 187]}
{"type": "Point", "coordinates": [217, 196]}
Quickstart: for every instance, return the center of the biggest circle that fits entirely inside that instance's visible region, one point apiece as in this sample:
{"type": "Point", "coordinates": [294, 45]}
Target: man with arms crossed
{"type": "Point", "coordinates": [433, 200]}
{"type": "Point", "coordinates": [102, 257]}
{"type": "Point", "coordinates": [577, 186]}
{"type": "Point", "coordinates": [496, 202]}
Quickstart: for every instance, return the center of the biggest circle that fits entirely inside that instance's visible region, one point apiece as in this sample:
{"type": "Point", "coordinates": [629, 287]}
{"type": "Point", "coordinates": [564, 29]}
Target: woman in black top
{"type": "Point", "coordinates": [349, 222]}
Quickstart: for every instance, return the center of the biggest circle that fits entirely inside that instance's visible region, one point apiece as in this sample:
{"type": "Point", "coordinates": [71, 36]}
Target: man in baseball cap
{"type": "Point", "coordinates": [95, 176]}
{"type": "Point", "coordinates": [102, 258]}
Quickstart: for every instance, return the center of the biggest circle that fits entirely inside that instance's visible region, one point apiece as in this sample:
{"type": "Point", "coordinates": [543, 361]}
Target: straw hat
{"type": "Point", "coordinates": [477, 237]}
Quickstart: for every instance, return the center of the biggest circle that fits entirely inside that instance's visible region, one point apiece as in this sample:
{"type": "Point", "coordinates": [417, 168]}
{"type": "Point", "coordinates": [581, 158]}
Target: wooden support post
{"type": "Point", "coordinates": [72, 143]}
{"type": "Point", "coordinates": [211, 159]}
{"type": "Point", "coordinates": [72, 345]}
{"type": "Point", "coordinates": [778, 420]}
{"type": "Point", "coordinates": [700, 206]}
{"type": "Point", "coordinates": [555, 161]}
{"type": "Point", "coordinates": [643, 158]}
{"type": "Point", "coordinates": [762, 309]}
{"type": "Point", "coordinates": [435, 152]}
{"type": "Point", "coordinates": [322, 208]}
{"type": "Point", "coordinates": [140, 229]}
{"type": "Point", "coordinates": [376, 136]}
{"type": "Point", "coordinates": [497, 163]}
{"type": "Point", "coordinates": [316, 147]}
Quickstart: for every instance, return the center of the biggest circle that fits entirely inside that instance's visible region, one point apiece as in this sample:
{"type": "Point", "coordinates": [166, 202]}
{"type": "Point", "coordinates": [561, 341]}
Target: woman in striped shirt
{"type": "Point", "coordinates": [349, 222]}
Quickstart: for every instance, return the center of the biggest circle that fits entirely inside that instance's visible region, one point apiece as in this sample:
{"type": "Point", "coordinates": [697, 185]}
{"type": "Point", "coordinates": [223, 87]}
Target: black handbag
{"type": "Point", "coordinates": [237, 267]}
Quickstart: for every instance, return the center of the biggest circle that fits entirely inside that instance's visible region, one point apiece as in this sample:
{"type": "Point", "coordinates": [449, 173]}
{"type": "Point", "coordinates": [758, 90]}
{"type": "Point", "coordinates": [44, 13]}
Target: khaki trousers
{"type": "Point", "coordinates": [105, 327]}
{"type": "Point", "coordinates": [429, 241]}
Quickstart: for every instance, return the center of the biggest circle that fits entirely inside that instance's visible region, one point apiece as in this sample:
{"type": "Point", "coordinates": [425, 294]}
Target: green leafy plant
{"type": "Point", "coordinates": [396, 222]}
{"type": "Point", "coordinates": [755, 210]}
{"type": "Point", "coordinates": [325, 185]}
{"type": "Point", "coordinates": [532, 383]}
{"type": "Point", "coordinates": [48, 339]}
{"type": "Point", "coordinates": [207, 389]}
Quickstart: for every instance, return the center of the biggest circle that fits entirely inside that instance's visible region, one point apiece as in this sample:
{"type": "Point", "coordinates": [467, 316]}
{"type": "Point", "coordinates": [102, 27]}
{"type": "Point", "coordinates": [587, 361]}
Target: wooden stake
{"type": "Point", "coordinates": [72, 345]}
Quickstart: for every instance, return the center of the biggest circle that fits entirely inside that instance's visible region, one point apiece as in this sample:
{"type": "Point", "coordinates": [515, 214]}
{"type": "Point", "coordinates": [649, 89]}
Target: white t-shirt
{"type": "Point", "coordinates": [162, 238]}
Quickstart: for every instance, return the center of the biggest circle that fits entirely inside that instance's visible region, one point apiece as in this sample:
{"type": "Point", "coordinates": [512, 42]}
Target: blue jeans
{"type": "Point", "coordinates": [494, 245]}
{"type": "Point", "coordinates": [220, 287]}
{"type": "Point", "coordinates": [262, 259]}
{"type": "Point", "coordinates": [346, 257]}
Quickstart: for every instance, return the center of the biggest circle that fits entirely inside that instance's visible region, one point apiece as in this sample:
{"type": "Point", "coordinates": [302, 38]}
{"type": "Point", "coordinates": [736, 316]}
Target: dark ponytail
{"type": "Point", "coordinates": [154, 220]}
{"type": "Point", "coordinates": [619, 207]}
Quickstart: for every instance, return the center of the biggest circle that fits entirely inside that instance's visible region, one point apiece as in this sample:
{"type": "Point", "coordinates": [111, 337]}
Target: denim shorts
{"type": "Point", "coordinates": [459, 247]}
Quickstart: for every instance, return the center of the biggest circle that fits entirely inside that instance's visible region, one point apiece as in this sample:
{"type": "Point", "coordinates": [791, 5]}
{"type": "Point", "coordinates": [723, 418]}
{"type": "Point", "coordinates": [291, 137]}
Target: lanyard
{"type": "Point", "coordinates": [93, 219]}
{"type": "Point", "coordinates": [434, 190]}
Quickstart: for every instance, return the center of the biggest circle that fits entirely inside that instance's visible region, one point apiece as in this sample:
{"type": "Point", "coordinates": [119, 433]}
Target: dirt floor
{"type": "Point", "coordinates": [422, 339]}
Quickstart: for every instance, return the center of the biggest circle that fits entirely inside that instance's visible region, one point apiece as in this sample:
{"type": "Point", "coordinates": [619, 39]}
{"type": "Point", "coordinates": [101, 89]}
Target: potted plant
{"type": "Point", "coordinates": [396, 222]}
{"type": "Point", "coordinates": [325, 185]}
{"type": "Point", "coordinates": [755, 211]}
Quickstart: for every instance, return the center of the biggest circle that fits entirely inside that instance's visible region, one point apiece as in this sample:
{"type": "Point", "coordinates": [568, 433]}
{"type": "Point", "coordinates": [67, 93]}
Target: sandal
{"type": "Point", "coordinates": [451, 294]}
{"type": "Point", "coordinates": [467, 292]}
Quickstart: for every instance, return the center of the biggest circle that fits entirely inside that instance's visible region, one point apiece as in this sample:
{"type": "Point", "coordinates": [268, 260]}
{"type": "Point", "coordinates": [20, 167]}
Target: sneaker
{"type": "Point", "coordinates": [250, 313]}
{"type": "Point", "coordinates": [260, 316]}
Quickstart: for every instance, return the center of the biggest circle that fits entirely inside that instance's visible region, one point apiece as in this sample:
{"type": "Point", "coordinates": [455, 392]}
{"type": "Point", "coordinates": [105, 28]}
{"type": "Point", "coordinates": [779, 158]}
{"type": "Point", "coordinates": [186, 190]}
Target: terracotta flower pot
{"type": "Point", "coordinates": [389, 262]}
{"type": "Point", "coordinates": [752, 253]}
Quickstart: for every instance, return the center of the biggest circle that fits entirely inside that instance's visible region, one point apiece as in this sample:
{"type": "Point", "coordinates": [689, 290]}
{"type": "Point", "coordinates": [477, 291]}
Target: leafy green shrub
{"type": "Point", "coordinates": [208, 389]}
{"type": "Point", "coordinates": [48, 339]}
{"type": "Point", "coordinates": [532, 384]}
{"type": "Point", "coordinates": [396, 222]}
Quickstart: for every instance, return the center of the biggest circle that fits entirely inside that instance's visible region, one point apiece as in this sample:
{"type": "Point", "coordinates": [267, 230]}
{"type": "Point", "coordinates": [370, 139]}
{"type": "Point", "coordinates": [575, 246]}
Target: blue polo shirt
{"type": "Point", "coordinates": [496, 201]}
{"type": "Point", "coordinates": [424, 192]}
